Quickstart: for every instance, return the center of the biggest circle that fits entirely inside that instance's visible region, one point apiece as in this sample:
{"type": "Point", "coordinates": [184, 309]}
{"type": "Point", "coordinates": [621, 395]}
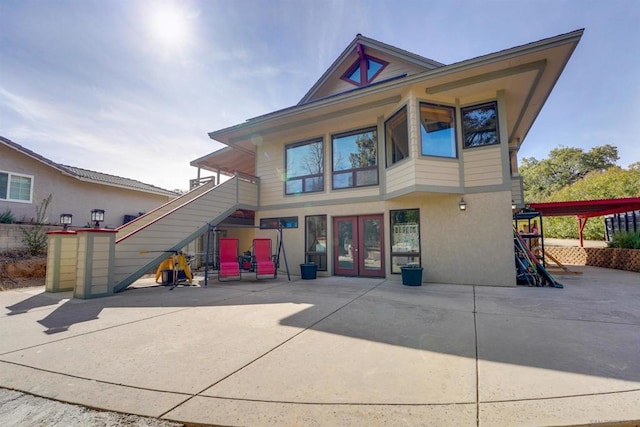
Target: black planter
{"type": "Point", "coordinates": [308, 271]}
{"type": "Point", "coordinates": [411, 276]}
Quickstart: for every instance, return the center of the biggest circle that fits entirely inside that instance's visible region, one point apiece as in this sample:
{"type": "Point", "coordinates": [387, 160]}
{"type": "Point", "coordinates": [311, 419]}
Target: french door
{"type": "Point", "coordinates": [358, 245]}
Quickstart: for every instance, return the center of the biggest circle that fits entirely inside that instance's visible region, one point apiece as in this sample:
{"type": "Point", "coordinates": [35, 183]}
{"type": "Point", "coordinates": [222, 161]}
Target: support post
{"type": "Point", "coordinates": [96, 255]}
{"type": "Point", "coordinates": [581, 223]}
{"type": "Point", "coordinates": [62, 254]}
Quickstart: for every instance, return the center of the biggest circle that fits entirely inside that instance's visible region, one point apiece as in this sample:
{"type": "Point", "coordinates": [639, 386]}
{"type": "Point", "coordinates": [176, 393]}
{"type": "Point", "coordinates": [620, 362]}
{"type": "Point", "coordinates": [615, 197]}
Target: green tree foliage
{"type": "Point", "coordinates": [563, 167]}
{"type": "Point", "coordinates": [367, 153]}
{"type": "Point", "coordinates": [612, 183]}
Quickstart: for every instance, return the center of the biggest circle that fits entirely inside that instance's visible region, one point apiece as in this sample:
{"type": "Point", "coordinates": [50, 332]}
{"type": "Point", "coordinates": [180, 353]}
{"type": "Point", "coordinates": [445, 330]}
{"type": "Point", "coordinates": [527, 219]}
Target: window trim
{"type": "Point", "coordinates": [22, 175]}
{"type": "Point", "coordinates": [462, 130]}
{"type": "Point", "coordinates": [282, 221]}
{"type": "Point", "coordinates": [308, 253]}
{"type": "Point", "coordinates": [391, 252]}
{"type": "Point", "coordinates": [287, 179]}
{"type": "Point", "coordinates": [362, 63]}
{"type": "Point", "coordinates": [354, 171]}
{"type": "Point", "coordinates": [454, 128]}
{"type": "Point", "coordinates": [400, 110]}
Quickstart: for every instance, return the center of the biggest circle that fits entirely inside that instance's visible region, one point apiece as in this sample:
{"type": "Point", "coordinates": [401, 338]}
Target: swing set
{"type": "Point", "coordinates": [230, 264]}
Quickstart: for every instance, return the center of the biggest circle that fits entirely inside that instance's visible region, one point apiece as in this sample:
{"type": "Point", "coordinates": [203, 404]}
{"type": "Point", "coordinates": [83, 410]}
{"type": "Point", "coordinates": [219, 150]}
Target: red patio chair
{"type": "Point", "coordinates": [265, 267]}
{"type": "Point", "coordinates": [229, 264]}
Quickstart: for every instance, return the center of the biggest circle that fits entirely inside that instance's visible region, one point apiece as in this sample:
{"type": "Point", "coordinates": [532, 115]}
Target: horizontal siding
{"type": "Point", "coordinates": [401, 176]}
{"type": "Point", "coordinates": [516, 190]}
{"type": "Point", "coordinates": [437, 172]}
{"type": "Point", "coordinates": [483, 167]}
{"type": "Point", "coordinates": [166, 232]}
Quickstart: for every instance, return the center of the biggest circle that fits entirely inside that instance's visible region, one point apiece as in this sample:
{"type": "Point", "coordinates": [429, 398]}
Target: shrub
{"type": "Point", "coordinates": [35, 237]}
{"type": "Point", "coordinates": [629, 240]}
{"type": "Point", "coordinates": [7, 217]}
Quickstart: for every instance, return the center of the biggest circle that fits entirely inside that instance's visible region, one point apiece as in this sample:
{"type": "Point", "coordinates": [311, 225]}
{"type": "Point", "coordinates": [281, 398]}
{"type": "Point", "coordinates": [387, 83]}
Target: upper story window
{"type": "Point", "coordinates": [438, 130]}
{"type": "Point", "coordinates": [365, 69]}
{"type": "Point", "coordinates": [305, 167]}
{"type": "Point", "coordinates": [397, 137]}
{"type": "Point", "coordinates": [15, 187]}
{"type": "Point", "coordinates": [480, 125]}
{"type": "Point", "coordinates": [355, 159]}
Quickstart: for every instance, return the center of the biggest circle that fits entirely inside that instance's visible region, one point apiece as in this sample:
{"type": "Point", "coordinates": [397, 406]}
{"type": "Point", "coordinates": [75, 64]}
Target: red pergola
{"type": "Point", "coordinates": [585, 209]}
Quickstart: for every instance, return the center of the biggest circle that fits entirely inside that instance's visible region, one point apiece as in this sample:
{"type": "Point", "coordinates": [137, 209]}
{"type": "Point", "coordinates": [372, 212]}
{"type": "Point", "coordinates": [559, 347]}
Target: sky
{"type": "Point", "coordinates": [132, 87]}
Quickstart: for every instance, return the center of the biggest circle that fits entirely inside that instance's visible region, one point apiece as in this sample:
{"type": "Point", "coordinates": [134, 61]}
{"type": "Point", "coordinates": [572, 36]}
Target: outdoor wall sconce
{"type": "Point", "coordinates": [97, 216]}
{"type": "Point", "coordinates": [65, 220]}
{"type": "Point", "coordinates": [513, 205]}
{"type": "Point", "coordinates": [462, 204]}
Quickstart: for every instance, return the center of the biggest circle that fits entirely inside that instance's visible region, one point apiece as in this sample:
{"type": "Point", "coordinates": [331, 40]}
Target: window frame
{"type": "Point", "coordinates": [361, 62]}
{"type": "Point", "coordinates": [311, 256]}
{"type": "Point", "coordinates": [11, 175]}
{"type": "Point", "coordinates": [354, 171]}
{"type": "Point", "coordinates": [279, 222]}
{"type": "Point", "coordinates": [303, 178]}
{"type": "Point", "coordinates": [392, 253]}
{"type": "Point", "coordinates": [464, 110]}
{"type": "Point", "coordinates": [388, 142]}
{"type": "Point", "coordinates": [454, 128]}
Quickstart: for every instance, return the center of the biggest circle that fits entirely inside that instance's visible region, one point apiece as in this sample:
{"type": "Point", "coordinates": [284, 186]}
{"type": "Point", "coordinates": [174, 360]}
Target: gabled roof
{"type": "Point", "coordinates": [420, 61]}
{"type": "Point", "coordinates": [529, 72]}
{"type": "Point", "coordinates": [88, 175]}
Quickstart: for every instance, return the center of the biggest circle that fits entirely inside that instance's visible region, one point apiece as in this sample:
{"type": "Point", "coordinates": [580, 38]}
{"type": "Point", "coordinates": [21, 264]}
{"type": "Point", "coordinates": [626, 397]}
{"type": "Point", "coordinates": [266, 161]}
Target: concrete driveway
{"type": "Point", "coordinates": [336, 351]}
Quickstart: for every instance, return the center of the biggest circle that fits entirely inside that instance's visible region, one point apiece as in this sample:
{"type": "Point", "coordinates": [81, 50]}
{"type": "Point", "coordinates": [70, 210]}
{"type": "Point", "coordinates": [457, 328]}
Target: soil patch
{"type": "Point", "coordinates": [20, 271]}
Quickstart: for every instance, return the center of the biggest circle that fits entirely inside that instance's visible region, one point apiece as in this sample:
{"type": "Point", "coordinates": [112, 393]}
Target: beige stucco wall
{"type": "Point", "coordinates": [71, 195]}
{"type": "Point", "coordinates": [471, 247]}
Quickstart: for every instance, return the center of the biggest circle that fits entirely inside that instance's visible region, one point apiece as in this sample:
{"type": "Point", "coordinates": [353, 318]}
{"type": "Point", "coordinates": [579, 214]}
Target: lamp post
{"type": "Point", "coordinates": [97, 216]}
{"type": "Point", "coordinates": [65, 220]}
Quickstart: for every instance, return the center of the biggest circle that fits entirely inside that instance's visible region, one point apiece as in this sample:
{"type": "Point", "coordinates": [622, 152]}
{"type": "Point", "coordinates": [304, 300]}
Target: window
{"type": "Point", "coordinates": [438, 130]}
{"type": "Point", "coordinates": [397, 137]}
{"type": "Point", "coordinates": [15, 187]}
{"type": "Point", "coordinates": [355, 159]}
{"type": "Point", "coordinates": [305, 167]}
{"type": "Point", "coordinates": [285, 222]}
{"type": "Point", "coordinates": [364, 70]}
{"type": "Point", "coordinates": [316, 241]}
{"type": "Point", "coordinates": [480, 125]}
{"type": "Point", "coordinates": [405, 238]}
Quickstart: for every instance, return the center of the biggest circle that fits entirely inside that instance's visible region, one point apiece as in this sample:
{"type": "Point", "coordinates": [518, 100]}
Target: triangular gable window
{"type": "Point", "coordinates": [365, 69]}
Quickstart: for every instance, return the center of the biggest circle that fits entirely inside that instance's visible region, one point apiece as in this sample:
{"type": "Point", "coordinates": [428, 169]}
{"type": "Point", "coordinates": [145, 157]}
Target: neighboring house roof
{"type": "Point", "coordinates": [88, 175]}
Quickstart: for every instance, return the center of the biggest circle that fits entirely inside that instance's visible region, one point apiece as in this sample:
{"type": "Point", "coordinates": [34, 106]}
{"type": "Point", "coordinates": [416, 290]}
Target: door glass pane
{"type": "Point", "coordinates": [372, 249]}
{"type": "Point", "coordinates": [345, 244]}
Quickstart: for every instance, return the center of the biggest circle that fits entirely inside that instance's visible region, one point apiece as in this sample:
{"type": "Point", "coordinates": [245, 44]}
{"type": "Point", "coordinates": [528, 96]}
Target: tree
{"type": "Point", "coordinates": [563, 167]}
{"type": "Point", "coordinates": [367, 154]}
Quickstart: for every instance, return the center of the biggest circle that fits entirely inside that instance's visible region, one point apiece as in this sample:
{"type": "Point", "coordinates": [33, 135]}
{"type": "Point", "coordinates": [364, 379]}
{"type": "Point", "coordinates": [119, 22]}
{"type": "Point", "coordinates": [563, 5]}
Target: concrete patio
{"type": "Point", "coordinates": [336, 351]}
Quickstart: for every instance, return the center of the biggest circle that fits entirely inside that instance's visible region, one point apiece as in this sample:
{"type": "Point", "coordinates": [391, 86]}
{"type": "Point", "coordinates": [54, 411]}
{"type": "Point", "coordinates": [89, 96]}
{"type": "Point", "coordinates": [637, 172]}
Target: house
{"type": "Point", "coordinates": [392, 158]}
{"type": "Point", "coordinates": [26, 178]}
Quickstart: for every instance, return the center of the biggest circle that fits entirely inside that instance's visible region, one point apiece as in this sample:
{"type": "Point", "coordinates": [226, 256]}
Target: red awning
{"type": "Point", "coordinates": [585, 209]}
{"type": "Point", "coordinates": [588, 208]}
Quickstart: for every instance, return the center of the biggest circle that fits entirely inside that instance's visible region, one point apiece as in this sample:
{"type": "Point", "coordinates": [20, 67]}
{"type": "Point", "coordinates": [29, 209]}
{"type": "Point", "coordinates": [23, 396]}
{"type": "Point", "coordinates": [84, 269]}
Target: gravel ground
{"type": "Point", "coordinates": [24, 410]}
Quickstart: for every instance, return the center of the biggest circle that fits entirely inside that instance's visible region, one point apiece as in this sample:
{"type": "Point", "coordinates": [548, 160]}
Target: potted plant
{"type": "Point", "coordinates": [411, 275]}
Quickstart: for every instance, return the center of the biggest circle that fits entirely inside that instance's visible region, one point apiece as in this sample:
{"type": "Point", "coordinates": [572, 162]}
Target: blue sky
{"type": "Point", "coordinates": [132, 87]}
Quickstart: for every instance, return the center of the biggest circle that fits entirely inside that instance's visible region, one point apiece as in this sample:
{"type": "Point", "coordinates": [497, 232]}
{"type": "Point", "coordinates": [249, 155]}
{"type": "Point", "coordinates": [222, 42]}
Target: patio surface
{"type": "Point", "coordinates": [336, 351]}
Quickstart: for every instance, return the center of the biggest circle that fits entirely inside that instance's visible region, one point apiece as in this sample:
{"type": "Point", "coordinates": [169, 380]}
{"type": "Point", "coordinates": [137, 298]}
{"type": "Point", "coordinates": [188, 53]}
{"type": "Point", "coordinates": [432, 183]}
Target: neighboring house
{"type": "Point", "coordinates": [26, 178]}
{"type": "Point", "coordinates": [371, 170]}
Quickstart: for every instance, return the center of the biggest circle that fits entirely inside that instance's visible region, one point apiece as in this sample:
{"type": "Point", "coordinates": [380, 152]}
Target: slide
{"type": "Point", "coordinates": [545, 276]}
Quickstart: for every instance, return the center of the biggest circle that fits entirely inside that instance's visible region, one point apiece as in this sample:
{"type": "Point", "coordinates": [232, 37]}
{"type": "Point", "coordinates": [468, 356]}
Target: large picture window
{"type": "Point", "coordinates": [355, 159]}
{"type": "Point", "coordinates": [397, 137]}
{"type": "Point", "coordinates": [14, 187]}
{"type": "Point", "coordinates": [438, 130]}
{"type": "Point", "coordinates": [305, 167]}
{"type": "Point", "coordinates": [316, 241]}
{"type": "Point", "coordinates": [405, 238]}
{"type": "Point", "coordinates": [480, 125]}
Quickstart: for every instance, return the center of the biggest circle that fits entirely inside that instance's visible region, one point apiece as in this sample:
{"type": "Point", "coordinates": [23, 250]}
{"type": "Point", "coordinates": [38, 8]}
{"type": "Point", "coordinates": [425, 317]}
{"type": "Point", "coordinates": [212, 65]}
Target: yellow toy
{"type": "Point", "coordinates": [178, 262]}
